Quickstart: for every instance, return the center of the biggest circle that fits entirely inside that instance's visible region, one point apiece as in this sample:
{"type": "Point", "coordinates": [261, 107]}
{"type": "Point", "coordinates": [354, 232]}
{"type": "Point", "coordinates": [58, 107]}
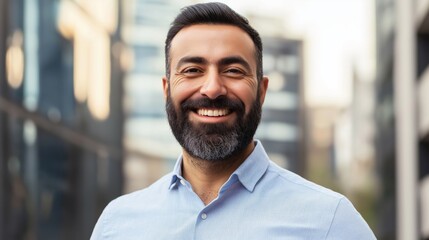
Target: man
{"type": "Point", "coordinates": [223, 185]}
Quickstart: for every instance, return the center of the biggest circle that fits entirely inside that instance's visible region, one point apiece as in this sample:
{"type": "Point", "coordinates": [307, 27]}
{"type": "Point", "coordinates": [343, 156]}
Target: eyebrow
{"type": "Point", "coordinates": [223, 62]}
{"type": "Point", "coordinates": [191, 59]}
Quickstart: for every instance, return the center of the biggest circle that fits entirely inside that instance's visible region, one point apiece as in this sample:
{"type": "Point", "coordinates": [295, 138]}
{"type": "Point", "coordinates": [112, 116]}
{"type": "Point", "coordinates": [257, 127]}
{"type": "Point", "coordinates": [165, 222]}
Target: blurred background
{"type": "Point", "coordinates": [82, 117]}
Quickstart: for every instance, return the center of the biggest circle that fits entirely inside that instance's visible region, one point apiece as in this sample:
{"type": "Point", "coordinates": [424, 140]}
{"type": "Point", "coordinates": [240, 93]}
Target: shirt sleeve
{"type": "Point", "coordinates": [348, 224]}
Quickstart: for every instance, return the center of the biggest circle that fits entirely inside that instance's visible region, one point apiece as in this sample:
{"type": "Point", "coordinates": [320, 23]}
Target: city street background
{"type": "Point", "coordinates": [82, 118]}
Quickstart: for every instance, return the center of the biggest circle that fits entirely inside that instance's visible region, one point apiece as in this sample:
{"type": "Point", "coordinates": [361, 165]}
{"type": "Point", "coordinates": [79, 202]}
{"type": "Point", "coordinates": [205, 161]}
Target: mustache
{"type": "Point", "coordinates": [222, 102]}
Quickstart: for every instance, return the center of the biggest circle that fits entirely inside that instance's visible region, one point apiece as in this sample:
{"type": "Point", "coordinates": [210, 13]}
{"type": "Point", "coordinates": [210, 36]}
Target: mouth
{"type": "Point", "coordinates": [210, 112]}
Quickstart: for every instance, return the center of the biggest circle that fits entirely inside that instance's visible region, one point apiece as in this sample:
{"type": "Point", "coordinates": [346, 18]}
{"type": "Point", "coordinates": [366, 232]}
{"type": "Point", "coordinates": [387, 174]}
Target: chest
{"type": "Point", "coordinates": [196, 228]}
{"type": "Point", "coordinates": [238, 216]}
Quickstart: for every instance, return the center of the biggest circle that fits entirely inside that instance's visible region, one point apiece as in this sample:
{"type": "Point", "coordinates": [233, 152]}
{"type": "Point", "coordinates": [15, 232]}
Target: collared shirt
{"type": "Point", "coordinates": [259, 201]}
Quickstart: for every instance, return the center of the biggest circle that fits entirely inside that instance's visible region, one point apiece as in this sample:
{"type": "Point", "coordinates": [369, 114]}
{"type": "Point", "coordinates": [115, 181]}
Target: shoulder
{"type": "Point", "coordinates": [294, 183]}
{"type": "Point", "coordinates": [139, 200]}
{"type": "Point", "coordinates": [137, 206]}
{"type": "Point", "coordinates": [304, 198]}
{"type": "Point", "coordinates": [149, 193]}
{"type": "Point", "coordinates": [333, 211]}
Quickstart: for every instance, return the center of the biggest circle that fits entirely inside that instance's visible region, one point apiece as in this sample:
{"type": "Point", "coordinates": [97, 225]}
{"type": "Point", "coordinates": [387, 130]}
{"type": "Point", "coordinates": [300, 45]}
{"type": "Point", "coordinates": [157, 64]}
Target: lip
{"type": "Point", "coordinates": [212, 115]}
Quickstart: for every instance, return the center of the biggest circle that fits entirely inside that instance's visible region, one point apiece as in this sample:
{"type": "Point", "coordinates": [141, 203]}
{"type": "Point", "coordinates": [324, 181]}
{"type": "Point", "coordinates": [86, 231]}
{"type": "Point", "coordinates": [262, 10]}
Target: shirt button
{"type": "Point", "coordinates": [183, 182]}
{"type": "Point", "coordinates": [204, 216]}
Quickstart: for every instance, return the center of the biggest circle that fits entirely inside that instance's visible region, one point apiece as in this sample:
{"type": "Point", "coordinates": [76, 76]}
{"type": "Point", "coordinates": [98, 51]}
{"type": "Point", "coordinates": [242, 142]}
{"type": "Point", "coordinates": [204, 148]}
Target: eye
{"type": "Point", "coordinates": [191, 71]}
{"type": "Point", "coordinates": [234, 72]}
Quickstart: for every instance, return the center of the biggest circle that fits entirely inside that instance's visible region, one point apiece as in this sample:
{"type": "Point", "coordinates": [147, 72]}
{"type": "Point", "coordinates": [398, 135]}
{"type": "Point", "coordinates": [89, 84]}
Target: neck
{"type": "Point", "coordinates": [207, 177]}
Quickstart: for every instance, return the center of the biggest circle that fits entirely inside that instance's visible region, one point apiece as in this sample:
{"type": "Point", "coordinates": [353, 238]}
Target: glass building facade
{"type": "Point", "coordinates": [61, 88]}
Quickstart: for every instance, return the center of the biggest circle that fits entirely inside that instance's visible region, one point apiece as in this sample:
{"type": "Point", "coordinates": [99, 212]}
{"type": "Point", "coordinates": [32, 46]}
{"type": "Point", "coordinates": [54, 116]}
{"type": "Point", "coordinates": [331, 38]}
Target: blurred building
{"type": "Point", "coordinates": [385, 116]}
{"type": "Point", "coordinates": [282, 125]}
{"type": "Point", "coordinates": [151, 148]}
{"type": "Point", "coordinates": [61, 88]}
{"type": "Point", "coordinates": [422, 32]}
{"type": "Point", "coordinates": [353, 150]}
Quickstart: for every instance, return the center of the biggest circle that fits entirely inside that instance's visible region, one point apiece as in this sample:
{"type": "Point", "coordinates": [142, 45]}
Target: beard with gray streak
{"type": "Point", "coordinates": [213, 142]}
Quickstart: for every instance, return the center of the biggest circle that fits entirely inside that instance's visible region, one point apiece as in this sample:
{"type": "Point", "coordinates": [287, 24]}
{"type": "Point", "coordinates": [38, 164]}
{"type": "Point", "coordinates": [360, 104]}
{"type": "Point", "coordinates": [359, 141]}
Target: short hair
{"type": "Point", "coordinates": [212, 13]}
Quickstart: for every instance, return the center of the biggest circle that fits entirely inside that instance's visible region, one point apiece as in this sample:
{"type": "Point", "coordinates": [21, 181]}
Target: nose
{"type": "Point", "coordinates": [213, 86]}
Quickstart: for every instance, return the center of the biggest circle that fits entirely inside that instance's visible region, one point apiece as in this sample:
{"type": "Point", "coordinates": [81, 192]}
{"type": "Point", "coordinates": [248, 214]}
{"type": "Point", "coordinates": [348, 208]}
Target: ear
{"type": "Point", "coordinates": [165, 86]}
{"type": "Point", "coordinates": [263, 88]}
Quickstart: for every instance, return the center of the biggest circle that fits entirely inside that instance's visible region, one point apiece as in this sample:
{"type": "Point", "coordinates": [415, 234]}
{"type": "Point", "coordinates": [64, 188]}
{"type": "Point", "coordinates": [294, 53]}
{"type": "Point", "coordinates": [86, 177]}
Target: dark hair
{"type": "Point", "coordinates": [212, 13]}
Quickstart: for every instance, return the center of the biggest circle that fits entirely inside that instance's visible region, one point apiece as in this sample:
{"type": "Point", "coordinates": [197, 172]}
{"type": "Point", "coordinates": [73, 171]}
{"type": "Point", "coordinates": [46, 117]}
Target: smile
{"type": "Point", "coordinates": [212, 112]}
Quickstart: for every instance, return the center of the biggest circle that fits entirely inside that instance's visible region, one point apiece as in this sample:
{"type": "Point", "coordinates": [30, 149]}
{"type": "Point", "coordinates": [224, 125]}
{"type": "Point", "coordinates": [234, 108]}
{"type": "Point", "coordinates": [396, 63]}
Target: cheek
{"type": "Point", "coordinates": [181, 92]}
{"type": "Point", "coordinates": [246, 93]}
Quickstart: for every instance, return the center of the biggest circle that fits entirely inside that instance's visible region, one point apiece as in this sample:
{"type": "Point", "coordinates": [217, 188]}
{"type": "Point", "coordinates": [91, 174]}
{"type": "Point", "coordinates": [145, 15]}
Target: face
{"type": "Point", "coordinates": [213, 96]}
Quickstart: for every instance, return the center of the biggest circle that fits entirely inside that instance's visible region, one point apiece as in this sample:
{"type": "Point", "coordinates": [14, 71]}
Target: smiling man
{"type": "Point", "coordinates": [223, 185]}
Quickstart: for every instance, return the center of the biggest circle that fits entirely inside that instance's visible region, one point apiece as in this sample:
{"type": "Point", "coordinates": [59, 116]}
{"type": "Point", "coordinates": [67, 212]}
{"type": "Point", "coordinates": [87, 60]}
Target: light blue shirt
{"type": "Point", "coordinates": [259, 201]}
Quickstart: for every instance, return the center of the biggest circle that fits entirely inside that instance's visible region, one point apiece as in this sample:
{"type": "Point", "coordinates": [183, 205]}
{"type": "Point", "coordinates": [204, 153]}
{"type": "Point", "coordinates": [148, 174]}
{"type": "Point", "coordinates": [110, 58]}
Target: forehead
{"type": "Point", "coordinates": [212, 42]}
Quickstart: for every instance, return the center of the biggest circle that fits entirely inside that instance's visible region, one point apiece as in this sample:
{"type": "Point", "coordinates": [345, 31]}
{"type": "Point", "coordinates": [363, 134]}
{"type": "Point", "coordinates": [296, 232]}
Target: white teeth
{"type": "Point", "coordinates": [213, 112]}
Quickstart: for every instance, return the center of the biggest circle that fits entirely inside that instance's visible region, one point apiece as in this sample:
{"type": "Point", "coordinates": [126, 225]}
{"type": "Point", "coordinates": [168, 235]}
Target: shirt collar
{"type": "Point", "coordinates": [177, 172]}
{"type": "Point", "coordinates": [248, 173]}
{"type": "Point", "coordinates": [253, 168]}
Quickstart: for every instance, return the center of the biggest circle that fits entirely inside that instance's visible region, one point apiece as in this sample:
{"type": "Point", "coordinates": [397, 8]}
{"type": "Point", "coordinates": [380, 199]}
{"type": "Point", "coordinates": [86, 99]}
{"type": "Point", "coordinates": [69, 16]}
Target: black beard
{"type": "Point", "coordinates": [214, 142]}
